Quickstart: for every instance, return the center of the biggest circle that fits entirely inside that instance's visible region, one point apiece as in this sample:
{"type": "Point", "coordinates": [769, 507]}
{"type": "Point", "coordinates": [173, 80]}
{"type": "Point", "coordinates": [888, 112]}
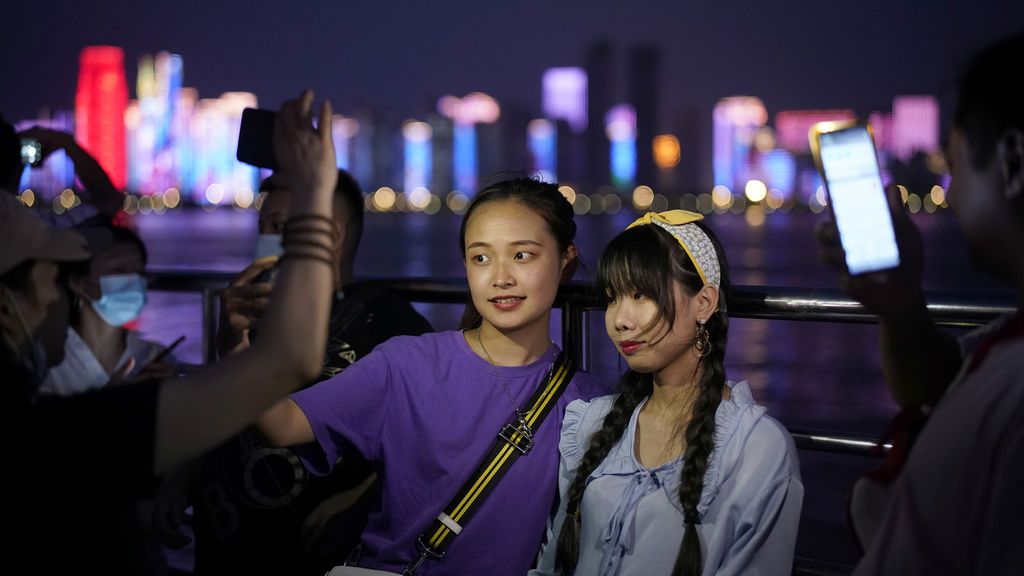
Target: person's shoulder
{"type": "Point", "coordinates": [432, 346]}
{"type": "Point", "coordinates": [586, 386]}
{"type": "Point", "coordinates": [744, 426]}
{"type": "Point", "coordinates": [741, 407]}
{"type": "Point", "coordinates": [382, 302]}
{"type": "Point", "coordinates": [596, 407]}
{"type": "Point", "coordinates": [769, 436]}
{"type": "Point", "coordinates": [371, 294]}
{"type": "Point", "coordinates": [582, 419]}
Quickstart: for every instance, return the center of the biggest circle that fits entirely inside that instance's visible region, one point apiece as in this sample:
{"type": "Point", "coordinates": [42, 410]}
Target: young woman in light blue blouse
{"type": "Point", "coordinates": [682, 472]}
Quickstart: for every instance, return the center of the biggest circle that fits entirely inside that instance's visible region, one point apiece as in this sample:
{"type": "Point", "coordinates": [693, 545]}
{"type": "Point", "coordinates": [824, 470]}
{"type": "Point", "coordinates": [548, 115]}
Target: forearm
{"type": "Point", "coordinates": [105, 197]}
{"type": "Point", "coordinates": [919, 360]}
{"type": "Point", "coordinates": [284, 424]}
{"type": "Point", "coordinates": [197, 412]}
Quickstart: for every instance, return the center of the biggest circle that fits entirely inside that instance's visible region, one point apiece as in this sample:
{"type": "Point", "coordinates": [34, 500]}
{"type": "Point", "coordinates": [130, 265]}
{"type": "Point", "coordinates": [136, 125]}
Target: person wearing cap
{"type": "Point", "coordinates": [78, 463]}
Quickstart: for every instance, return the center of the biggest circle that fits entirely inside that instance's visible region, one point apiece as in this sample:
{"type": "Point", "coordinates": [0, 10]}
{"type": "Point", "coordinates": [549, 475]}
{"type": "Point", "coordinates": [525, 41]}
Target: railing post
{"type": "Point", "coordinates": [574, 332]}
{"type": "Point", "coordinates": [209, 325]}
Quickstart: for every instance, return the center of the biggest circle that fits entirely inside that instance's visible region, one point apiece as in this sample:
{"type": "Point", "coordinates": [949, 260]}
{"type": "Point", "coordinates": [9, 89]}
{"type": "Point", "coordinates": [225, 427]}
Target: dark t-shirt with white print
{"type": "Point", "coordinates": [252, 499]}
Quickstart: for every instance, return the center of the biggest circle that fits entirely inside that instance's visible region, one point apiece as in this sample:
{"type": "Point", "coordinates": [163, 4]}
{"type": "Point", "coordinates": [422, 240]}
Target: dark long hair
{"type": "Point", "coordinates": [647, 259]}
{"type": "Point", "coordinates": [541, 197]}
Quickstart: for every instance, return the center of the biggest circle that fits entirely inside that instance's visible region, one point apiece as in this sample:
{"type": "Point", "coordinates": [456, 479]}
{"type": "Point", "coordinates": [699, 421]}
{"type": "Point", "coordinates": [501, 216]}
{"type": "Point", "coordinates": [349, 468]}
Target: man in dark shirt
{"type": "Point", "coordinates": [70, 486]}
{"type": "Point", "coordinates": [76, 466]}
{"type": "Point", "coordinates": [256, 508]}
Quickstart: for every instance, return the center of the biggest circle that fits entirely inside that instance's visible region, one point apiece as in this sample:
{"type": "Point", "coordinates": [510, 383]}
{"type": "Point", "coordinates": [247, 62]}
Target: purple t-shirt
{"type": "Point", "coordinates": [427, 409]}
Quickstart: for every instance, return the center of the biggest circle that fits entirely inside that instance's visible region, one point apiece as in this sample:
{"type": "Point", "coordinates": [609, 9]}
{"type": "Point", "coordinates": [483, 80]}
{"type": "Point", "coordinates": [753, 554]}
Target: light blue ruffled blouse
{"type": "Point", "coordinates": [632, 520]}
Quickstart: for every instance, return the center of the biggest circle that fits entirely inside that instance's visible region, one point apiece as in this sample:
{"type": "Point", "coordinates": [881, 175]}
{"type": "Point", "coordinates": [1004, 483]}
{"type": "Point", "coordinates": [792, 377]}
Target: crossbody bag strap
{"type": "Point", "coordinates": [512, 442]}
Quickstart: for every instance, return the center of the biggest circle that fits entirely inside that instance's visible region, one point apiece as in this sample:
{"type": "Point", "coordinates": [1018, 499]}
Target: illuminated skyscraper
{"type": "Point", "coordinates": [155, 133]}
{"type": "Point", "coordinates": [565, 96]}
{"type": "Point", "coordinates": [219, 176]}
{"type": "Point", "coordinates": [542, 138]}
{"type": "Point", "coordinates": [418, 163]}
{"type": "Point", "coordinates": [915, 125]}
{"type": "Point", "coordinates": [792, 126]}
{"type": "Point", "coordinates": [666, 153]}
{"type": "Point", "coordinates": [620, 125]}
{"type": "Point", "coordinates": [737, 120]}
{"type": "Point", "coordinates": [442, 180]}
{"type": "Point", "coordinates": [100, 104]}
{"type": "Point", "coordinates": [343, 131]}
{"type": "Point", "coordinates": [475, 137]}
{"type": "Point", "coordinates": [881, 128]}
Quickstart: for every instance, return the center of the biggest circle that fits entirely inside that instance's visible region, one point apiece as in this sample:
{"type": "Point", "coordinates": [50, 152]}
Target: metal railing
{"type": "Point", "coordinates": [576, 300]}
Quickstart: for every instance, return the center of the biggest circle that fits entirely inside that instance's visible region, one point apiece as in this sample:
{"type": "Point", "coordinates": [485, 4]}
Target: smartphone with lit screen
{"type": "Point", "coordinates": [31, 152]}
{"type": "Point", "coordinates": [844, 153]}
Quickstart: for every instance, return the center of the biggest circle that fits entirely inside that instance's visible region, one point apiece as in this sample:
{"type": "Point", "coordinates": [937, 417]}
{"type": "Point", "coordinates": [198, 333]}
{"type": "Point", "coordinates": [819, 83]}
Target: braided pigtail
{"type": "Point", "coordinates": [635, 388]}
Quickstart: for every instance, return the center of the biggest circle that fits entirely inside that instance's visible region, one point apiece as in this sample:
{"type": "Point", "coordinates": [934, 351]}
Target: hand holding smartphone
{"type": "Point", "coordinates": [130, 372]}
{"type": "Point", "coordinates": [845, 156]}
{"type": "Point", "coordinates": [163, 353]}
{"type": "Point", "coordinates": [31, 152]}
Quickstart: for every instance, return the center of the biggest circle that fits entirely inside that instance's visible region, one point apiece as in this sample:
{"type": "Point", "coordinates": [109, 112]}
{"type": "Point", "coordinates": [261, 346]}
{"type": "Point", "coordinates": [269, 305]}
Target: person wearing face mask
{"type": "Point", "coordinates": [244, 301]}
{"type": "Point", "coordinates": [75, 465]}
{"type": "Point", "coordinates": [107, 293]}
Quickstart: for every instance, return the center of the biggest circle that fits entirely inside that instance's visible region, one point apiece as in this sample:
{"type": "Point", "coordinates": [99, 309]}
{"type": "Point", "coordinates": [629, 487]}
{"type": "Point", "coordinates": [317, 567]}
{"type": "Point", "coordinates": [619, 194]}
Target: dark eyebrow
{"type": "Point", "coordinates": [516, 243]}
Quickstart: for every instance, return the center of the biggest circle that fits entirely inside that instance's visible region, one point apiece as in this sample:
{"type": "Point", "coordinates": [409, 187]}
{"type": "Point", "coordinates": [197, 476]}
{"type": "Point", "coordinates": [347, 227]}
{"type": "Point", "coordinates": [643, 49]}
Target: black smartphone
{"type": "Point", "coordinates": [845, 155]}
{"type": "Point", "coordinates": [31, 152]}
{"type": "Point", "coordinates": [163, 353]}
{"type": "Point", "coordinates": [268, 276]}
{"type": "Point", "coordinates": [256, 138]}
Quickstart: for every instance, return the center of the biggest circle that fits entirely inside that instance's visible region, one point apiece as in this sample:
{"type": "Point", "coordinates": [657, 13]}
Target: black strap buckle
{"type": "Point", "coordinates": [520, 437]}
{"type": "Point", "coordinates": [425, 552]}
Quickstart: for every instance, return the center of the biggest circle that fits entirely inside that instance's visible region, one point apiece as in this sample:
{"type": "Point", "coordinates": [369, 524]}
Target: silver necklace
{"type": "Point", "coordinates": [509, 432]}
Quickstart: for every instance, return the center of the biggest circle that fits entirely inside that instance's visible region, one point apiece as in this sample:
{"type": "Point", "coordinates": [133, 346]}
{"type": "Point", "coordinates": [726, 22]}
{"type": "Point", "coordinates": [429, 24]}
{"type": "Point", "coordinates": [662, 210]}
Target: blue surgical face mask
{"type": "Point", "coordinates": [122, 297]}
{"type": "Point", "coordinates": [268, 245]}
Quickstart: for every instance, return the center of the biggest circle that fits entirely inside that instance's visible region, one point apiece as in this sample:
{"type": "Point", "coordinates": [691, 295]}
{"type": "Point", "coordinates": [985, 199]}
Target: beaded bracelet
{"type": "Point", "coordinates": [296, 242]}
{"type": "Point", "coordinates": [310, 218]}
{"type": "Point", "coordinates": [307, 256]}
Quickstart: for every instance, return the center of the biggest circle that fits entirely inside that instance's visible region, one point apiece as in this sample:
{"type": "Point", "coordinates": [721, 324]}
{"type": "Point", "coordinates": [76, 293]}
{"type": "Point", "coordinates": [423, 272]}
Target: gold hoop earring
{"type": "Point", "coordinates": [702, 340]}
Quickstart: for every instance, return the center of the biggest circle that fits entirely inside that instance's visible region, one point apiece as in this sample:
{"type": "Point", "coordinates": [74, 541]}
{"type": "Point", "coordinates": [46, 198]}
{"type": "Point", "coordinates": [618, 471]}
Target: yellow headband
{"type": "Point", "coordinates": [696, 243]}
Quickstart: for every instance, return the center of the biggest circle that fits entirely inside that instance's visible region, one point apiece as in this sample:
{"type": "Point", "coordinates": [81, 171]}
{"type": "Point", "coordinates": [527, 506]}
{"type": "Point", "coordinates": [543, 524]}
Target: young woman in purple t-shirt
{"type": "Point", "coordinates": [427, 409]}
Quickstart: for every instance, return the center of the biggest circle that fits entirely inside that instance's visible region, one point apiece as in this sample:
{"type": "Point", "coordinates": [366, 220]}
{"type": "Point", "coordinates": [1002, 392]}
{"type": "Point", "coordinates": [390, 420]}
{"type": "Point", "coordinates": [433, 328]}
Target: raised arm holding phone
{"type": "Point", "coordinates": [87, 457]}
{"type": "Point", "coordinates": [877, 250]}
{"type": "Point", "coordinates": [956, 503]}
{"type": "Point", "coordinates": [103, 195]}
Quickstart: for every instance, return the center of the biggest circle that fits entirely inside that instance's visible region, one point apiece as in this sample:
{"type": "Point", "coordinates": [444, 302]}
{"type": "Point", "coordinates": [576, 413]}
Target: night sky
{"type": "Point", "coordinates": [400, 56]}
